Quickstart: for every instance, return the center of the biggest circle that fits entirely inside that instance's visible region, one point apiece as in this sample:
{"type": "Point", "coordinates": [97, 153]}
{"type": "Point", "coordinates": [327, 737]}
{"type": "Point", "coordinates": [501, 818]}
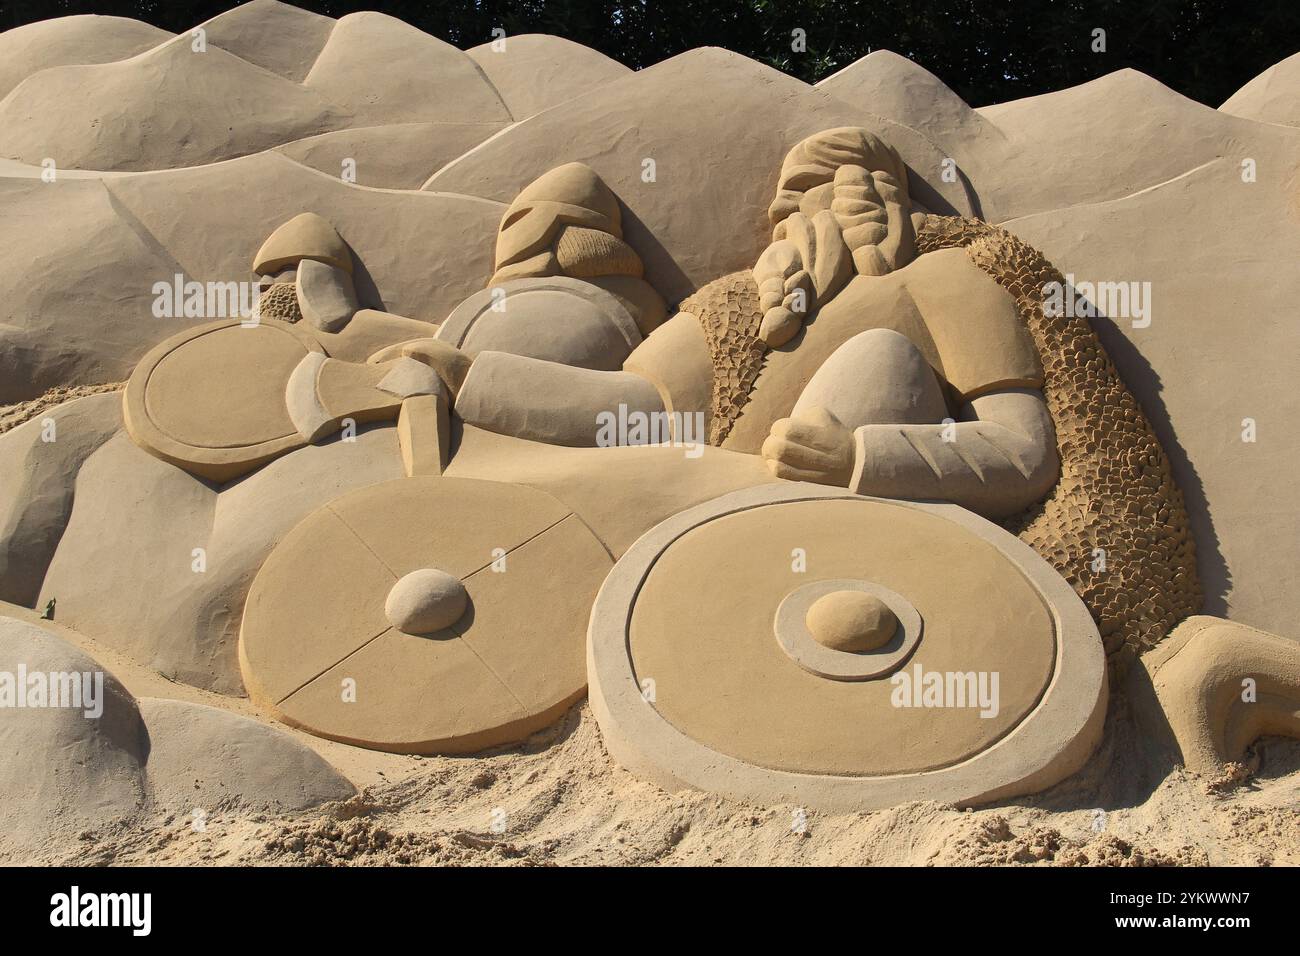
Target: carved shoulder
{"type": "Point", "coordinates": [981, 340]}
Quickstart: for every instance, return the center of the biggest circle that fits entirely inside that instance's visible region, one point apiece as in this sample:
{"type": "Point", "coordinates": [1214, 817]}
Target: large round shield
{"type": "Point", "coordinates": [211, 399]}
{"type": "Point", "coordinates": [424, 615]}
{"type": "Point", "coordinates": [795, 643]}
{"type": "Point", "coordinates": [555, 318]}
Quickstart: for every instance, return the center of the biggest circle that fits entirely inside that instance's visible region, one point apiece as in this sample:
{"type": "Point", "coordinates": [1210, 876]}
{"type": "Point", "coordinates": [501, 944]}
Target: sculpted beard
{"type": "Point", "coordinates": [841, 208]}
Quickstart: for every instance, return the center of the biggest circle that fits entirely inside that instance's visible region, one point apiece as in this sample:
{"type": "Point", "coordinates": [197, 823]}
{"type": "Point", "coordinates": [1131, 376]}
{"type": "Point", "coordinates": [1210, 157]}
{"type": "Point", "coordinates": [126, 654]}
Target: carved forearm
{"type": "Point", "coordinates": [545, 401]}
{"type": "Point", "coordinates": [1000, 463]}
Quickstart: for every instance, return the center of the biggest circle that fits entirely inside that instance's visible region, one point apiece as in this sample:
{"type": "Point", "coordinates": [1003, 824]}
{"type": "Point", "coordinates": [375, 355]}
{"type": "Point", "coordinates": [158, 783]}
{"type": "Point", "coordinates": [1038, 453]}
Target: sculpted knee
{"type": "Point", "coordinates": [876, 377]}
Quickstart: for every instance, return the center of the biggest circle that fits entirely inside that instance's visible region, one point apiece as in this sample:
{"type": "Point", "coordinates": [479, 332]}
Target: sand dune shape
{"type": "Point", "coordinates": [397, 156]}
{"type": "Point", "coordinates": [269, 75]}
{"type": "Point", "coordinates": [275, 36]}
{"type": "Point", "coordinates": [67, 41]}
{"type": "Point", "coordinates": [1270, 97]}
{"type": "Point", "coordinates": [535, 71]}
{"type": "Point", "coordinates": [1116, 179]}
{"type": "Point", "coordinates": [167, 107]}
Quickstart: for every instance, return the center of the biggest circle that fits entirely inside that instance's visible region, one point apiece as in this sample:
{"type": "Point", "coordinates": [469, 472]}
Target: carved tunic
{"type": "Point", "coordinates": [964, 324]}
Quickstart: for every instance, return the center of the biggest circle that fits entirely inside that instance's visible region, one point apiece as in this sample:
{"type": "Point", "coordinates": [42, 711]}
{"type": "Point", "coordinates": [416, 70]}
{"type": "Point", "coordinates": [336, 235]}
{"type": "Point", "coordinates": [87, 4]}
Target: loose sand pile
{"type": "Point", "coordinates": [11, 416]}
{"type": "Point", "coordinates": [561, 800]}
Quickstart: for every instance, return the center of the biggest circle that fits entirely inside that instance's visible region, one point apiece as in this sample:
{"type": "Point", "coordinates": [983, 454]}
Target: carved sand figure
{"type": "Point", "coordinates": [650, 462]}
{"type": "Point", "coordinates": [821, 406]}
{"type": "Point", "coordinates": [877, 386]}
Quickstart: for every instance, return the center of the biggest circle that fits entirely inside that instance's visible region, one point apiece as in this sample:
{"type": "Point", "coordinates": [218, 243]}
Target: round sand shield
{"type": "Point", "coordinates": [424, 615]}
{"type": "Point", "coordinates": [794, 643]}
{"type": "Point", "coordinates": [556, 318]}
{"type": "Point", "coordinates": [211, 399]}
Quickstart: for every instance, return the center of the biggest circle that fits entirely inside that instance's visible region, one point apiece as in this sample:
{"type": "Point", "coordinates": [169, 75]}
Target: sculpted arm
{"type": "Point", "coordinates": [564, 405]}
{"type": "Point", "coordinates": [548, 402]}
{"type": "Point", "coordinates": [531, 398]}
{"type": "Point", "coordinates": [999, 459]}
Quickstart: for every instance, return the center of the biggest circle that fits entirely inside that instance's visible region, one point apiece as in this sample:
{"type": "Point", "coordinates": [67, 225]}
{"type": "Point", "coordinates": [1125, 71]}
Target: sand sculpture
{"type": "Point", "coordinates": [140, 756]}
{"type": "Point", "coordinates": [451, 649]}
{"type": "Point", "coordinates": [882, 386]}
{"type": "Point", "coordinates": [712, 725]}
{"type": "Point", "coordinates": [822, 529]}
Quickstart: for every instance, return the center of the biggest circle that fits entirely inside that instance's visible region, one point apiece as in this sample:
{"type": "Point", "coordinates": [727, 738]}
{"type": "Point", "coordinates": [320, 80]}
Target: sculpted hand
{"type": "Point", "coordinates": [811, 446]}
{"type": "Point", "coordinates": [451, 364]}
{"type": "Point", "coordinates": [784, 292]}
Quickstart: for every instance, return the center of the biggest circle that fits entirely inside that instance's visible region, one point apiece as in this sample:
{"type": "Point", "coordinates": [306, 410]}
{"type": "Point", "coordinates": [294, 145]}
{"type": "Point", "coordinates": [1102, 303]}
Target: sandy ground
{"type": "Point", "coordinates": [11, 416]}
{"type": "Point", "coordinates": [559, 799]}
